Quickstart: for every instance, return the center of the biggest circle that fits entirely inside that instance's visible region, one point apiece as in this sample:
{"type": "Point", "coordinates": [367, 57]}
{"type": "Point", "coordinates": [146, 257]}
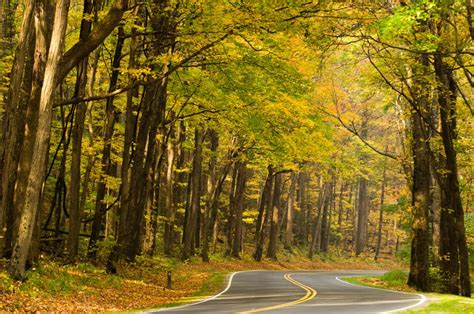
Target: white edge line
{"type": "Point", "coordinates": [422, 300]}
{"type": "Point", "coordinates": [229, 283]}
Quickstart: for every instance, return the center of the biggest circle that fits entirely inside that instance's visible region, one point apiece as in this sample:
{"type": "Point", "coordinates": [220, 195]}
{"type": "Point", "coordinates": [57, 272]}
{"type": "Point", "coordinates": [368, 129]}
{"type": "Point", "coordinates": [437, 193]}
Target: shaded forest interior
{"type": "Point", "coordinates": [203, 128]}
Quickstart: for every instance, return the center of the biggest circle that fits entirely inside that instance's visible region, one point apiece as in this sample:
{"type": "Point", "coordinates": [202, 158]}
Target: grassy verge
{"type": "Point", "coordinates": [437, 303]}
{"type": "Point", "coordinates": [54, 287]}
{"type": "Point", "coordinates": [209, 288]}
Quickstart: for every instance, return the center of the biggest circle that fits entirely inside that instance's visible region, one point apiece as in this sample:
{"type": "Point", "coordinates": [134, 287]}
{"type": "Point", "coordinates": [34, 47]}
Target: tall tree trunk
{"type": "Point", "coordinates": [290, 213]}
{"type": "Point", "coordinates": [362, 216]}
{"type": "Point", "coordinates": [274, 209]}
{"type": "Point", "coordinates": [231, 213]}
{"type": "Point", "coordinates": [14, 125]}
{"type": "Point", "coordinates": [142, 163]}
{"type": "Point", "coordinates": [326, 218]}
{"type": "Point", "coordinates": [239, 200]}
{"type": "Point", "coordinates": [316, 238]}
{"type": "Point", "coordinates": [29, 206]}
{"type": "Point", "coordinates": [340, 211]}
{"type": "Point", "coordinates": [419, 276]}
{"type": "Point", "coordinates": [7, 36]}
{"type": "Point", "coordinates": [209, 220]}
{"type": "Point", "coordinates": [453, 247]}
{"type": "Point", "coordinates": [154, 204]}
{"type": "Point", "coordinates": [180, 194]}
{"type": "Point", "coordinates": [355, 217]}
{"type": "Point", "coordinates": [111, 119]}
{"type": "Point", "coordinates": [78, 128]}
{"type": "Point", "coordinates": [382, 199]}
{"type": "Point", "coordinates": [213, 215]}
{"type": "Point", "coordinates": [169, 188]}
{"type": "Point", "coordinates": [195, 194]}
{"type": "Point", "coordinates": [362, 197]}
{"type": "Point", "coordinates": [264, 209]}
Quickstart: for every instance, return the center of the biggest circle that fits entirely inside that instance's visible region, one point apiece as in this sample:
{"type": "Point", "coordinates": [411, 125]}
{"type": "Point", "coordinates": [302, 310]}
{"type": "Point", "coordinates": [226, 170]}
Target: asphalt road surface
{"type": "Point", "coordinates": [265, 291]}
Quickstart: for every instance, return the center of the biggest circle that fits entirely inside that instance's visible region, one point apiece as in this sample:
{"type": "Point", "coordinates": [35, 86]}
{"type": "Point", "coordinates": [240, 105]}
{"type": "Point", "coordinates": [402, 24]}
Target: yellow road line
{"type": "Point", "coordinates": [310, 294]}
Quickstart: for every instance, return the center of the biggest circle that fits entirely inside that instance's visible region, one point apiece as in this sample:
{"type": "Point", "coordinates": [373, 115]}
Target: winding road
{"type": "Point", "coordinates": [265, 291]}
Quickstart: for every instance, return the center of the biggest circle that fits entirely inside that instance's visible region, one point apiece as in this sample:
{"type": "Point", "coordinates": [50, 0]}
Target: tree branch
{"type": "Point", "coordinates": [100, 32]}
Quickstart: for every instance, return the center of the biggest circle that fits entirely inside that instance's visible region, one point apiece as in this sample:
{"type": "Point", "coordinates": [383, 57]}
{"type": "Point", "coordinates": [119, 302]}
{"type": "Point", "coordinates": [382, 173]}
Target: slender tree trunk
{"type": "Point", "coordinates": [347, 237]}
{"type": "Point", "coordinates": [382, 199]}
{"type": "Point", "coordinates": [239, 200]}
{"type": "Point", "coordinates": [169, 205]}
{"type": "Point", "coordinates": [149, 242]}
{"type": "Point", "coordinates": [419, 276]}
{"type": "Point", "coordinates": [7, 36]}
{"type": "Point", "coordinates": [316, 238]}
{"type": "Point", "coordinates": [264, 209]}
{"type": "Point", "coordinates": [154, 105]}
{"type": "Point", "coordinates": [302, 231]}
{"type": "Point", "coordinates": [15, 112]}
{"type": "Point", "coordinates": [230, 224]}
{"type": "Point", "coordinates": [355, 217]}
{"type": "Point", "coordinates": [326, 219]}
{"type": "Point", "coordinates": [453, 247]}
{"type": "Point", "coordinates": [290, 213]}
{"type": "Point", "coordinates": [112, 116]}
{"type": "Point", "coordinates": [362, 216]}
{"type": "Point", "coordinates": [180, 194]}
{"type": "Point", "coordinates": [215, 206]}
{"type": "Point", "coordinates": [195, 194]}
{"type": "Point", "coordinates": [78, 128]}
{"type": "Point", "coordinates": [38, 167]}
{"type": "Point", "coordinates": [210, 220]}
{"type": "Point", "coordinates": [274, 209]}
{"type": "Point", "coordinates": [340, 212]}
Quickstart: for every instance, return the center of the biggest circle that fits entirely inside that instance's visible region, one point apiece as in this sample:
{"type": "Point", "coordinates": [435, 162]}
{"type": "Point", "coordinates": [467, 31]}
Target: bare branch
{"type": "Point", "coordinates": [354, 131]}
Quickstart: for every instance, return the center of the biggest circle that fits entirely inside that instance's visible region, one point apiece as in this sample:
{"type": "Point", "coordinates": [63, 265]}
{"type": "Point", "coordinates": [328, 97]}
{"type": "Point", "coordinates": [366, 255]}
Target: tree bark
{"type": "Point", "coordinates": [362, 197]}
{"type": "Point", "coordinates": [38, 167]}
{"type": "Point", "coordinates": [274, 209]}
{"type": "Point", "coordinates": [326, 218]}
{"type": "Point", "coordinates": [239, 200]}
{"type": "Point", "coordinates": [290, 213]}
{"type": "Point", "coordinates": [209, 216]}
{"type": "Point", "coordinates": [112, 116]}
{"type": "Point", "coordinates": [78, 128]}
{"type": "Point", "coordinates": [453, 247]}
{"type": "Point", "coordinates": [419, 276]}
{"type": "Point", "coordinates": [230, 223]}
{"type": "Point", "coordinates": [382, 199]}
{"type": "Point", "coordinates": [169, 204]}
{"type": "Point", "coordinates": [362, 216]}
{"type": "Point", "coordinates": [15, 112]}
{"type": "Point", "coordinates": [316, 236]}
{"type": "Point", "coordinates": [264, 209]}
{"type": "Point", "coordinates": [195, 194]}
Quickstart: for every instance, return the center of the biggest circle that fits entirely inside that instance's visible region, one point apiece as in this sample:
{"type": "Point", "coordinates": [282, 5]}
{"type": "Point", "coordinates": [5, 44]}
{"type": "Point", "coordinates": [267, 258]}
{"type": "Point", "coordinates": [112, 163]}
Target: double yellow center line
{"type": "Point", "coordinates": [310, 294]}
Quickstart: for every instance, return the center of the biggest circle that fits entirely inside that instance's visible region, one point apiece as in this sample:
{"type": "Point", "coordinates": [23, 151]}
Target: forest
{"type": "Point", "coordinates": [208, 129]}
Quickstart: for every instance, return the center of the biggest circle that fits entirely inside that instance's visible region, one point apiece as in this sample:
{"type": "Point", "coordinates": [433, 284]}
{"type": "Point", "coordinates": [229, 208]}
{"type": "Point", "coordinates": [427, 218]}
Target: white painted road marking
{"type": "Point", "coordinates": [420, 302]}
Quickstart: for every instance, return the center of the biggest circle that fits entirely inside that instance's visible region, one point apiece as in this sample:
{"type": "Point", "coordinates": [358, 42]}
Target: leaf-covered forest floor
{"type": "Point", "coordinates": [53, 286]}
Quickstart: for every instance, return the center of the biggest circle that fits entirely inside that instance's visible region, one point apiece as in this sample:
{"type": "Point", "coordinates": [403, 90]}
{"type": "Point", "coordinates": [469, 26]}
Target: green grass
{"type": "Point", "coordinates": [445, 303]}
{"type": "Point", "coordinates": [394, 280]}
{"type": "Point", "coordinates": [54, 279]}
{"type": "Point", "coordinates": [212, 286]}
{"type": "Point", "coordinates": [437, 303]}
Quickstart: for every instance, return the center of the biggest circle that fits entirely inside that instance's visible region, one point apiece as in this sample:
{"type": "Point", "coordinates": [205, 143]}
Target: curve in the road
{"type": "Point", "coordinates": [295, 293]}
{"type": "Point", "coordinates": [310, 294]}
{"type": "Point", "coordinates": [229, 283]}
{"type": "Point", "coordinates": [419, 303]}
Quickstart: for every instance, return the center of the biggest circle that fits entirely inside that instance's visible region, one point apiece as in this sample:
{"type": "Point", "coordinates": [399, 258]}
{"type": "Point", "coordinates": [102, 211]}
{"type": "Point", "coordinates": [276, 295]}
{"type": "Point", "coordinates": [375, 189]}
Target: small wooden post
{"type": "Point", "coordinates": [168, 279]}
